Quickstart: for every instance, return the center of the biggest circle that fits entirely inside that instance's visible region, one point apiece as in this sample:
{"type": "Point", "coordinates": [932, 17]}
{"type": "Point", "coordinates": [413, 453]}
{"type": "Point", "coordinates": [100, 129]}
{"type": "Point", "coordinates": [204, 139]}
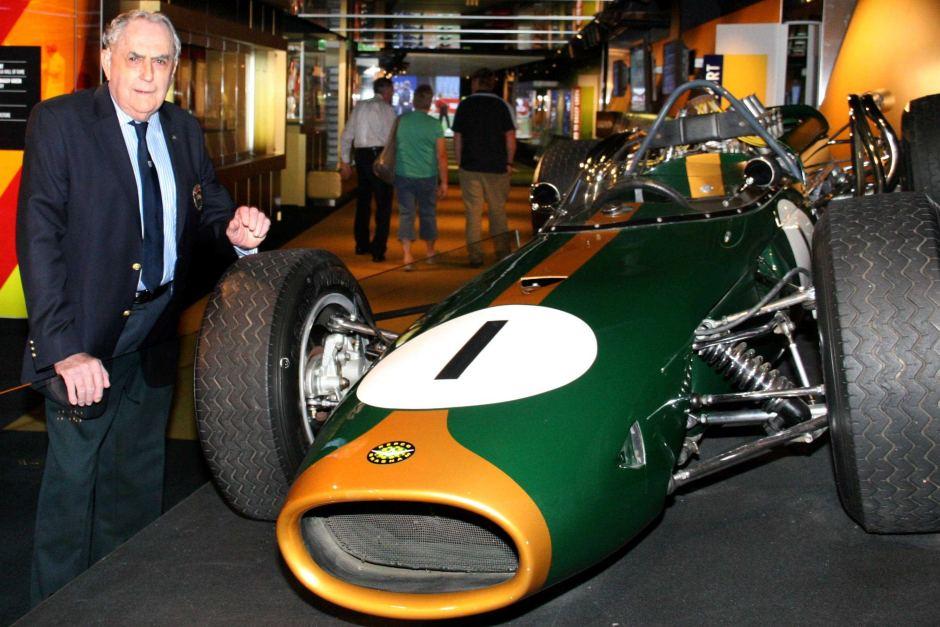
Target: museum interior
{"type": "Point", "coordinates": [273, 84]}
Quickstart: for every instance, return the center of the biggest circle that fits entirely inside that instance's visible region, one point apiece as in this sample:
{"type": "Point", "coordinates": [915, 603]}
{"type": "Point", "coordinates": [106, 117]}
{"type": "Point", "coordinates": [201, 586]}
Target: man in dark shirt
{"type": "Point", "coordinates": [485, 144]}
{"type": "Point", "coordinates": [443, 110]}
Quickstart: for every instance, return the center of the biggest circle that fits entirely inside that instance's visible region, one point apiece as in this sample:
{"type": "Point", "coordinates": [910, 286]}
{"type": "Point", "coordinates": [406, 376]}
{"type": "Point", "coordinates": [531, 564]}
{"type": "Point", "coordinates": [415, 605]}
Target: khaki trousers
{"type": "Point", "coordinates": [477, 187]}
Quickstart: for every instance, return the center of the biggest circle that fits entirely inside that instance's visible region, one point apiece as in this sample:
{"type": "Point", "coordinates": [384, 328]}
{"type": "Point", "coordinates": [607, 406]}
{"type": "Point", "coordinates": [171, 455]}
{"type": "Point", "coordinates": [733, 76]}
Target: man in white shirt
{"type": "Point", "coordinates": [368, 129]}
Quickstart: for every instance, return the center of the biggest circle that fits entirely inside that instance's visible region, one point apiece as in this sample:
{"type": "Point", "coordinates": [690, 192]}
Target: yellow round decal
{"type": "Point", "coordinates": [391, 452]}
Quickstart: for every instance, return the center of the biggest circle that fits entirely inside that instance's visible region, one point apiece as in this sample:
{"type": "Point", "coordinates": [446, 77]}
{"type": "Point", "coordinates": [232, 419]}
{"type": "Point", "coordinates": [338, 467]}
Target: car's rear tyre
{"type": "Point", "coordinates": [559, 166]}
{"type": "Point", "coordinates": [248, 402]}
{"type": "Point", "coordinates": [877, 277]}
{"type": "Point", "coordinates": [920, 145]}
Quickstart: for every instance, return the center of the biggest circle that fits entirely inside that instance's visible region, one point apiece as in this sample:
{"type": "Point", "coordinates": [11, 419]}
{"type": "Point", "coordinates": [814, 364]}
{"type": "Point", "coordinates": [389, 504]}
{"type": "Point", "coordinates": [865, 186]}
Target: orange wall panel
{"type": "Point", "coordinates": [702, 37]}
{"type": "Point", "coordinates": [54, 26]}
{"type": "Point", "coordinates": [890, 44]}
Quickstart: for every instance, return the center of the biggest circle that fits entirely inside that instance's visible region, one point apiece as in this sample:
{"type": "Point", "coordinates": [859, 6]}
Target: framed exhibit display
{"type": "Point", "coordinates": [641, 93]}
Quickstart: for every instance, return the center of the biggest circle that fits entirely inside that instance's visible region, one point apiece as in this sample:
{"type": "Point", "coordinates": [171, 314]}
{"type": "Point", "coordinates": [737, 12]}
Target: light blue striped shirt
{"type": "Point", "coordinates": [160, 155]}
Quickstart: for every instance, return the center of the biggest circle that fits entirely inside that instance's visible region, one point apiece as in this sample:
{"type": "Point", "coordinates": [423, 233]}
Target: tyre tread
{"type": "Point", "coordinates": [233, 402]}
{"type": "Point", "coordinates": [886, 269]}
{"type": "Point", "coordinates": [920, 139]}
{"type": "Point", "coordinates": [561, 162]}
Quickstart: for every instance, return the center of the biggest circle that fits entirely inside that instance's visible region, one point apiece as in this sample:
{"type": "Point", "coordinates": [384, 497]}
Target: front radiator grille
{"type": "Point", "coordinates": [409, 547]}
{"type": "Point", "coordinates": [447, 540]}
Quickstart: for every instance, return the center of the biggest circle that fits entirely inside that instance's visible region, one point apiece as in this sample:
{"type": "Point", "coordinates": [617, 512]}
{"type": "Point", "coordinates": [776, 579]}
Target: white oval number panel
{"type": "Point", "coordinates": [489, 356]}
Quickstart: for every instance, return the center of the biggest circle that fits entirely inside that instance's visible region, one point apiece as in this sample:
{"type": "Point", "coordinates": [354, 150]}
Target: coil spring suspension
{"type": "Point", "coordinates": [749, 372]}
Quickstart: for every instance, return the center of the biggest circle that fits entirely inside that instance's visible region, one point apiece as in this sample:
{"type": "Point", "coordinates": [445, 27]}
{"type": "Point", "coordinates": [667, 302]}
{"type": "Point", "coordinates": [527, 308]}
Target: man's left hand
{"type": "Point", "coordinates": [248, 227]}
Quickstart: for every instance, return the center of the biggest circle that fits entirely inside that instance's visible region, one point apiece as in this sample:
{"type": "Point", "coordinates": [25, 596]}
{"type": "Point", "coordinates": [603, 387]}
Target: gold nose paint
{"type": "Point", "coordinates": [438, 470]}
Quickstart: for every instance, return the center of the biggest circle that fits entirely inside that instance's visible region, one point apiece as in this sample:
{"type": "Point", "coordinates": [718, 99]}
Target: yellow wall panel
{"type": "Point", "coordinates": [12, 304]}
{"type": "Point", "coordinates": [746, 74]}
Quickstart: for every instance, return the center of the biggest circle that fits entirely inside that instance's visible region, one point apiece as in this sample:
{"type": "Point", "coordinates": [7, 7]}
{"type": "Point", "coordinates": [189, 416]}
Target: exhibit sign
{"type": "Point", "coordinates": [714, 67]}
{"type": "Point", "coordinates": [19, 92]}
{"type": "Point", "coordinates": [576, 113]}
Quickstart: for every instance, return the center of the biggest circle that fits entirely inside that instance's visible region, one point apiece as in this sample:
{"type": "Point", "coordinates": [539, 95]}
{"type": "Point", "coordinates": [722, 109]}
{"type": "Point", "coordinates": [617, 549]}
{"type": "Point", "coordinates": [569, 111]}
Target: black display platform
{"type": "Point", "coordinates": [768, 545]}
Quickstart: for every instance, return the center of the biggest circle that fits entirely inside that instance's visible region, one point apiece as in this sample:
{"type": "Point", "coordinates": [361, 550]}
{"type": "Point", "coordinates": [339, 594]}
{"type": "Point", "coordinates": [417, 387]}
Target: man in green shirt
{"type": "Point", "coordinates": [420, 172]}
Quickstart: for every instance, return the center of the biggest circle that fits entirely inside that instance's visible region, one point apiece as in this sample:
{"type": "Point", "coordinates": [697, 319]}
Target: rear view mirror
{"type": "Point", "coordinates": [544, 198]}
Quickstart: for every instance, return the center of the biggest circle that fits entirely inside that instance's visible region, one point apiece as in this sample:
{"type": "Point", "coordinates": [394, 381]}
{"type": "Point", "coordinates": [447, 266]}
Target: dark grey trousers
{"type": "Point", "coordinates": [103, 478]}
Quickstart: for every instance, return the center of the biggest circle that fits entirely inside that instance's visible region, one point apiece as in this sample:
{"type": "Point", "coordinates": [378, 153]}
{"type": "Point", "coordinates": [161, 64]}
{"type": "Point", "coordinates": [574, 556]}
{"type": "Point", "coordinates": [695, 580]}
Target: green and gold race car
{"type": "Point", "coordinates": [709, 270]}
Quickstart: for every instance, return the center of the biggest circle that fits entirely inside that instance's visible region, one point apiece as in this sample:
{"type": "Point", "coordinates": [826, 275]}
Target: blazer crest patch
{"type": "Point", "coordinates": [197, 197]}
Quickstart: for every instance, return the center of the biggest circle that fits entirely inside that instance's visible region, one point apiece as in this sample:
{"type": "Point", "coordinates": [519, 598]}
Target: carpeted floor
{"type": "Point", "coordinates": [768, 545]}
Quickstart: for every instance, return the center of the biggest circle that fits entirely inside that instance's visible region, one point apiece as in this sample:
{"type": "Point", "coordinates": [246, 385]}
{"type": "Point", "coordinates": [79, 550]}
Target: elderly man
{"type": "Point", "coordinates": [368, 128]}
{"type": "Point", "coordinates": [117, 190]}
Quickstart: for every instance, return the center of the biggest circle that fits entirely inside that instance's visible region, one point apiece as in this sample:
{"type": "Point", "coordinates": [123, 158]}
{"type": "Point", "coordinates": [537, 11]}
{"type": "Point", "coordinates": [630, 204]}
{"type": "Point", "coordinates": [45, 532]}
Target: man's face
{"type": "Point", "coordinates": [139, 67]}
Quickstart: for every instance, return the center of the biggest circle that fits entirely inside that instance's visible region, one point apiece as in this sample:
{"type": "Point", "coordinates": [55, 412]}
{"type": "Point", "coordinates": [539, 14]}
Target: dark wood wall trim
{"type": "Point", "coordinates": [252, 167]}
{"type": "Point", "coordinates": [255, 182]}
{"type": "Point", "coordinates": [197, 24]}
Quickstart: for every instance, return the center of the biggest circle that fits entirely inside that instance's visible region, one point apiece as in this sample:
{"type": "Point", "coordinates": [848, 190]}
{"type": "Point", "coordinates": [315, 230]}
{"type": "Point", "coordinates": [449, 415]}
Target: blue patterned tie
{"type": "Point", "coordinates": [152, 211]}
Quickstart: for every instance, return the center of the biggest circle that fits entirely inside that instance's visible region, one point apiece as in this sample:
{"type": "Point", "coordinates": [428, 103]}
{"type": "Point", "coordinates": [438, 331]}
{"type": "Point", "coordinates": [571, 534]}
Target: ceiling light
{"type": "Point", "coordinates": [446, 30]}
{"type": "Point", "coordinates": [444, 17]}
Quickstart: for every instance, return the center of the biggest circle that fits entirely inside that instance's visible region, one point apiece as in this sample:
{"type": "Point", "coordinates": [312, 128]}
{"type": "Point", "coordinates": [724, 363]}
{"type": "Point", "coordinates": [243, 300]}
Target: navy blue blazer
{"type": "Point", "coordinates": [78, 231]}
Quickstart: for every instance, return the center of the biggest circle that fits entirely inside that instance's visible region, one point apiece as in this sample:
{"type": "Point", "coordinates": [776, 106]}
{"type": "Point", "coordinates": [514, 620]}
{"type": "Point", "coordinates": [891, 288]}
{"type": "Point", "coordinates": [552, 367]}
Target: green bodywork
{"type": "Point", "coordinates": [642, 295]}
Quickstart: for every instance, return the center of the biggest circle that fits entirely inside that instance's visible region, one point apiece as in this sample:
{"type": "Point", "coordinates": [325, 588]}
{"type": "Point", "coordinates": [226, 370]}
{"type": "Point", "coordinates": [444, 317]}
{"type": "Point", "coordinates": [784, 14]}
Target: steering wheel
{"type": "Point", "coordinates": [617, 192]}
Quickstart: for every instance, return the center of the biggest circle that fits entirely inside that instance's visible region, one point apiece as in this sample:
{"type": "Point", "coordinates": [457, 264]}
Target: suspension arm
{"type": "Point", "coordinates": [804, 432]}
{"type": "Point", "coordinates": [700, 400]}
{"type": "Point", "coordinates": [807, 296]}
{"type": "Point", "coordinates": [341, 324]}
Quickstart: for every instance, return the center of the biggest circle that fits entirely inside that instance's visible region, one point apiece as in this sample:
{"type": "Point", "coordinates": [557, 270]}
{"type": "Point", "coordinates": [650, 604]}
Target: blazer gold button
{"type": "Point", "coordinates": [135, 266]}
{"type": "Point", "coordinates": [127, 313]}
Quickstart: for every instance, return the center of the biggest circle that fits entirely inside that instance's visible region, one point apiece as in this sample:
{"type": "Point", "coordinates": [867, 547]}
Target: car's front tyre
{"type": "Point", "coordinates": [560, 165]}
{"type": "Point", "coordinates": [253, 422]}
{"type": "Point", "coordinates": [877, 276]}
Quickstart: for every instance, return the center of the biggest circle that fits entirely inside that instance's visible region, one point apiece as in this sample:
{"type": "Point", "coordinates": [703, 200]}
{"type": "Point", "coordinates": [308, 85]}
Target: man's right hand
{"type": "Point", "coordinates": [85, 378]}
{"type": "Point", "coordinates": [345, 171]}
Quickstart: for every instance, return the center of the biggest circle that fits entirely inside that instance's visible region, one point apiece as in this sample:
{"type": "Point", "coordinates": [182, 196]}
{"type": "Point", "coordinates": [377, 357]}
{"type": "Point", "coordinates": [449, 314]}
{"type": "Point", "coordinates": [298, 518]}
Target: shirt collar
{"type": "Point", "coordinates": [123, 118]}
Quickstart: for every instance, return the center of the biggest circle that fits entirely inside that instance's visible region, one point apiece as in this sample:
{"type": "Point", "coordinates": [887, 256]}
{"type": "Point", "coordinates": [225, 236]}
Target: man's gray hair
{"type": "Point", "coordinates": [115, 29]}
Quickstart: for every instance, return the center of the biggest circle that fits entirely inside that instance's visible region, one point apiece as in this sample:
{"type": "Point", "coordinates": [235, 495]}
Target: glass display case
{"type": "Point", "coordinates": [314, 109]}
{"type": "Point", "coordinates": [312, 97]}
{"type": "Point", "coordinates": [213, 85]}
{"type": "Point", "coordinates": [306, 81]}
{"type": "Point", "coordinates": [802, 63]}
{"type": "Point", "coordinates": [534, 105]}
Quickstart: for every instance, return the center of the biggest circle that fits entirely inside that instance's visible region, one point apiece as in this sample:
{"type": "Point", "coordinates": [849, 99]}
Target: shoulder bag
{"type": "Point", "coordinates": [384, 165]}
